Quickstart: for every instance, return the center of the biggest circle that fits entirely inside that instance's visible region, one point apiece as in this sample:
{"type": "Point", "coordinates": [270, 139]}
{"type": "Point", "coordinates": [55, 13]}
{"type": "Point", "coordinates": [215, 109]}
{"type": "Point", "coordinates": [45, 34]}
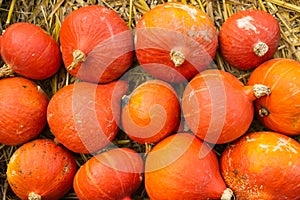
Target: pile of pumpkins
{"type": "Point", "coordinates": [175, 43]}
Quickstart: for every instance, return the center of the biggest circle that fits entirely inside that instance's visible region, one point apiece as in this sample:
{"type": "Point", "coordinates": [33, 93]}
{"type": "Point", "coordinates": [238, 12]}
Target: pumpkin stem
{"type": "Point", "coordinates": [34, 196]}
{"type": "Point", "coordinates": [78, 56]}
{"type": "Point", "coordinates": [260, 49]}
{"type": "Point", "coordinates": [227, 194]}
{"type": "Point", "coordinates": [263, 112]}
{"type": "Point", "coordinates": [6, 71]}
{"type": "Point", "coordinates": [261, 90]}
{"type": "Point", "coordinates": [177, 57]}
{"type": "Point", "coordinates": [256, 91]}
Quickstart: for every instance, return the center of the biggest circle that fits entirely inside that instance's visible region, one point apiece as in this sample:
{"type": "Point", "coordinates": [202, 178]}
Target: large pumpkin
{"type": "Point", "coordinates": [23, 108]}
{"type": "Point", "coordinates": [217, 107]}
{"type": "Point", "coordinates": [152, 112]}
{"type": "Point", "coordinates": [183, 167]}
{"type": "Point", "coordinates": [248, 38]}
{"type": "Point", "coordinates": [41, 170]}
{"type": "Point", "coordinates": [175, 41]}
{"type": "Point", "coordinates": [279, 111]}
{"type": "Point", "coordinates": [84, 116]}
{"type": "Point", "coordinates": [29, 51]}
{"type": "Point", "coordinates": [263, 165]}
{"type": "Point", "coordinates": [114, 174]}
{"type": "Point", "coordinates": [96, 44]}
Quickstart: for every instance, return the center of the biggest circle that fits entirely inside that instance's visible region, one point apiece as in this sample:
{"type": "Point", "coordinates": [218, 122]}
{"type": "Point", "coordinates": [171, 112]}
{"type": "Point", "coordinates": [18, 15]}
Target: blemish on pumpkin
{"type": "Point", "coordinates": [24, 86]}
{"type": "Point", "coordinates": [245, 23]}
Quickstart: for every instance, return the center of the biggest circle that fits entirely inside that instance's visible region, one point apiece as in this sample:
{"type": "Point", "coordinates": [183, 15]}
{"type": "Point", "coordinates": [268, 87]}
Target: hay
{"type": "Point", "coordinates": [49, 14]}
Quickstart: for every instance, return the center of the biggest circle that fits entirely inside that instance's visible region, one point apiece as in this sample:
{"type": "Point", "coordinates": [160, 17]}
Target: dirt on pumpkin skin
{"type": "Point", "coordinates": [49, 14]}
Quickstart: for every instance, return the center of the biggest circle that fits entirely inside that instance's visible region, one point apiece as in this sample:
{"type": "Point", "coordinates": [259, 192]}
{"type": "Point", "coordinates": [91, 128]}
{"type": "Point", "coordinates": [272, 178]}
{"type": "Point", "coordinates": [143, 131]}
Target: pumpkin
{"type": "Point", "coordinates": [96, 44]}
{"type": "Point", "coordinates": [217, 107]}
{"type": "Point", "coordinates": [279, 111]}
{"type": "Point", "coordinates": [182, 166]}
{"type": "Point", "coordinates": [29, 51]}
{"type": "Point", "coordinates": [114, 174]}
{"type": "Point", "coordinates": [84, 116]}
{"type": "Point", "coordinates": [270, 167]}
{"type": "Point", "coordinates": [248, 38]}
{"type": "Point", "coordinates": [152, 112]}
{"type": "Point", "coordinates": [23, 108]}
{"type": "Point", "coordinates": [41, 169]}
{"type": "Point", "coordinates": [175, 41]}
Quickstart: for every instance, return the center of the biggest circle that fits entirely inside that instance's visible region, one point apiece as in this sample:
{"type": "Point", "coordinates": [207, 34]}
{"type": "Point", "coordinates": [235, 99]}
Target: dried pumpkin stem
{"type": "Point", "coordinates": [227, 194]}
{"type": "Point", "coordinates": [260, 90]}
{"type": "Point", "coordinates": [6, 71]}
{"type": "Point", "coordinates": [78, 56]}
{"type": "Point", "coordinates": [34, 196]}
{"type": "Point", "coordinates": [177, 57]}
{"type": "Point", "coordinates": [260, 49]}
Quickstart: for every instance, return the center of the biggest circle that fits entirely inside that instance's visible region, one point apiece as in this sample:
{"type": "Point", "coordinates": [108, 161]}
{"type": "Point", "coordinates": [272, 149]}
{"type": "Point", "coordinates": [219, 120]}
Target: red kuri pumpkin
{"type": "Point", "coordinates": [217, 107]}
{"type": "Point", "coordinates": [29, 51]}
{"type": "Point", "coordinates": [23, 108]}
{"type": "Point", "coordinates": [41, 170]}
{"type": "Point", "coordinates": [248, 38]}
{"type": "Point", "coordinates": [84, 116]}
{"type": "Point", "coordinates": [175, 41]}
{"type": "Point", "coordinates": [152, 112]}
{"type": "Point", "coordinates": [96, 44]}
{"type": "Point", "coordinates": [114, 174]}
{"type": "Point", "coordinates": [263, 165]}
{"type": "Point", "coordinates": [183, 167]}
{"type": "Point", "coordinates": [279, 111]}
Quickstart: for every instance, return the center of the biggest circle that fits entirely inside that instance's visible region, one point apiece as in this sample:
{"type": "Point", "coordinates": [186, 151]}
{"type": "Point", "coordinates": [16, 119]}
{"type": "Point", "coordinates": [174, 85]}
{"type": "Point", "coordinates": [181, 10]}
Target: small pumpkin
{"type": "Point", "coordinates": [182, 166]}
{"type": "Point", "coordinates": [41, 170]}
{"type": "Point", "coordinates": [263, 165]}
{"type": "Point", "coordinates": [23, 108]}
{"type": "Point", "coordinates": [217, 107]}
{"type": "Point", "coordinates": [96, 44]}
{"type": "Point", "coordinates": [248, 38]}
{"type": "Point", "coordinates": [84, 116]}
{"type": "Point", "coordinates": [152, 112]}
{"type": "Point", "coordinates": [279, 111]}
{"type": "Point", "coordinates": [30, 51]}
{"type": "Point", "coordinates": [175, 41]}
{"type": "Point", "coordinates": [114, 174]}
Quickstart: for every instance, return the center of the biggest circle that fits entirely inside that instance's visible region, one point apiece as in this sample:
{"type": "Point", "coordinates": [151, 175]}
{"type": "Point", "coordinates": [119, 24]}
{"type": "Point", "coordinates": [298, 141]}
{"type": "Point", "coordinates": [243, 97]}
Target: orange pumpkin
{"type": "Point", "coordinates": [279, 111]}
{"type": "Point", "coordinates": [183, 167]}
{"type": "Point", "coordinates": [84, 116]}
{"type": "Point", "coordinates": [263, 165]}
{"type": "Point", "coordinates": [152, 112]}
{"type": "Point", "coordinates": [175, 41]}
{"type": "Point", "coordinates": [23, 108]}
{"type": "Point", "coordinates": [217, 107]}
{"type": "Point", "coordinates": [96, 44]}
{"type": "Point", "coordinates": [41, 169]}
{"type": "Point", "coordinates": [114, 174]}
{"type": "Point", "coordinates": [248, 38]}
{"type": "Point", "coordinates": [29, 51]}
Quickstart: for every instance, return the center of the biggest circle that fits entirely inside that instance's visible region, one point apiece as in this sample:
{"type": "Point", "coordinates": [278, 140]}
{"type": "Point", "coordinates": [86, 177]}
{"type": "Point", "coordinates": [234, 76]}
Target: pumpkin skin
{"type": "Point", "coordinates": [279, 111]}
{"type": "Point", "coordinates": [217, 107]}
{"type": "Point", "coordinates": [183, 167]}
{"type": "Point", "coordinates": [114, 174]}
{"type": "Point", "coordinates": [270, 167]}
{"type": "Point", "coordinates": [23, 110]}
{"type": "Point", "coordinates": [40, 169]}
{"type": "Point", "coordinates": [98, 41]}
{"type": "Point", "coordinates": [29, 51]}
{"type": "Point", "coordinates": [249, 38]}
{"type": "Point", "coordinates": [84, 116]}
{"type": "Point", "coordinates": [175, 41]}
{"type": "Point", "coordinates": [152, 113]}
